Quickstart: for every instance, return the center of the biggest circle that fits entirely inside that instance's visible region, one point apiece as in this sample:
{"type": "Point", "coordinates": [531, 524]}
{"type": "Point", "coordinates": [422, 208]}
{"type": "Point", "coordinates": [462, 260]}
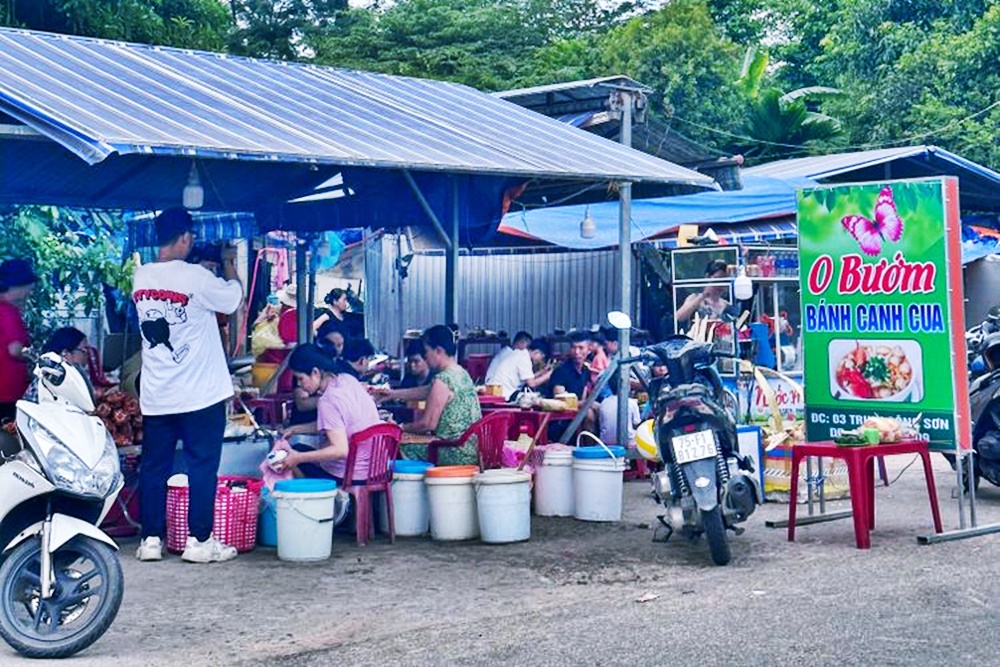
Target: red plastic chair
{"type": "Point", "coordinates": [382, 442]}
{"type": "Point", "coordinates": [490, 433]}
{"type": "Point", "coordinates": [530, 421]}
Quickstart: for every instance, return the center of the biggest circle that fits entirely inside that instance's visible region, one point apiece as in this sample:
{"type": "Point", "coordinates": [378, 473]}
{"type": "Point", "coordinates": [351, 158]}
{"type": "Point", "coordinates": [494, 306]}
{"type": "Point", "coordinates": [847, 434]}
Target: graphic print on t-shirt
{"type": "Point", "coordinates": [158, 310]}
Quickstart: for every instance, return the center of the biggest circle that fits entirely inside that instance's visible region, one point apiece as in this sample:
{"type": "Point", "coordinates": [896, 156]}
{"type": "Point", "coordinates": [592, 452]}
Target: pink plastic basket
{"type": "Point", "coordinates": [236, 503]}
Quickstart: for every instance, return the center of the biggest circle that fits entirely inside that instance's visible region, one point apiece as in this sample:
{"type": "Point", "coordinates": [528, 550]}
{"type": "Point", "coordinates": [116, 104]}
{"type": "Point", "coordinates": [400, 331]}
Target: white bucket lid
{"type": "Point", "coordinates": [502, 476]}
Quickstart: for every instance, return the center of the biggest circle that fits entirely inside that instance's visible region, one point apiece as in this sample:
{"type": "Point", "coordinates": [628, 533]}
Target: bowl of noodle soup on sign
{"type": "Point", "coordinates": [876, 370]}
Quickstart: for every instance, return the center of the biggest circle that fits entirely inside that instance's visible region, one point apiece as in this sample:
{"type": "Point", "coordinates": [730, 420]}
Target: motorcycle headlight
{"type": "Point", "coordinates": [69, 473]}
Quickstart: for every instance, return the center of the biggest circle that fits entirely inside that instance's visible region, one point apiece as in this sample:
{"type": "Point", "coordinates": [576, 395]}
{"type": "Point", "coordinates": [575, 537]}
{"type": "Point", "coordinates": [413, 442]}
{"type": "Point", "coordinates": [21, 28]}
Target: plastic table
{"type": "Point", "coordinates": [861, 479]}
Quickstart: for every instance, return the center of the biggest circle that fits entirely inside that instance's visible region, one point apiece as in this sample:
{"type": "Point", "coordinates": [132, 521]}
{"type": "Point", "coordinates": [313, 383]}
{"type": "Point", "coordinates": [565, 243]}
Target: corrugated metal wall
{"type": "Point", "coordinates": [499, 290]}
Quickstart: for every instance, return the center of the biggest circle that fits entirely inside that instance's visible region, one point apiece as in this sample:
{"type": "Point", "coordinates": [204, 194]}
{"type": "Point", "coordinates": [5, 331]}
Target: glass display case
{"type": "Point", "coordinates": [775, 316]}
{"type": "Point", "coordinates": [702, 285]}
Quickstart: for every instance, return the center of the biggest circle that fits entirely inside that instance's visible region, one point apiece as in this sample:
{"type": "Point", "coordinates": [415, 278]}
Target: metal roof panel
{"type": "Point", "coordinates": [99, 98]}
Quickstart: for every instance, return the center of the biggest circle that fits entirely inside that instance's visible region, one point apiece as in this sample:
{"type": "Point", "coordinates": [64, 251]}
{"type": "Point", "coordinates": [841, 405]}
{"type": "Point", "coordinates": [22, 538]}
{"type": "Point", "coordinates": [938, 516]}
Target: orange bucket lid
{"type": "Point", "coordinates": [452, 471]}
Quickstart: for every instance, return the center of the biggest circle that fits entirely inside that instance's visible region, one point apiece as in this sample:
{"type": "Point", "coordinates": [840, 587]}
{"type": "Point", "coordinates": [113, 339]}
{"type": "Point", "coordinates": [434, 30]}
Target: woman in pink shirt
{"type": "Point", "coordinates": [344, 408]}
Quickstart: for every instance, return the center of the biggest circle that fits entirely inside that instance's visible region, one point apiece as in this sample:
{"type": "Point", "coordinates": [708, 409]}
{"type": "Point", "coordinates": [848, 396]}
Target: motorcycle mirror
{"type": "Point", "coordinates": [619, 320]}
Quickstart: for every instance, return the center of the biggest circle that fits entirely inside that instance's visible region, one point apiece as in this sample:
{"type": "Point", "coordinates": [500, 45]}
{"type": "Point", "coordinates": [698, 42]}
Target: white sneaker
{"type": "Point", "coordinates": [209, 551]}
{"type": "Point", "coordinates": [151, 548]}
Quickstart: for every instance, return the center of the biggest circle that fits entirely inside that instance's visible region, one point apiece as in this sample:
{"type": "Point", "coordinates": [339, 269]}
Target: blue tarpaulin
{"type": "Point", "coordinates": [761, 198]}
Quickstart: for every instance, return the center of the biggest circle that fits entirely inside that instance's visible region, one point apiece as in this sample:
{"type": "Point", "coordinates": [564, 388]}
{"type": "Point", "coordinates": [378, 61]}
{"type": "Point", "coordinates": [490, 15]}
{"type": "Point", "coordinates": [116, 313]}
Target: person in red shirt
{"type": "Point", "coordinates": [17, 282]}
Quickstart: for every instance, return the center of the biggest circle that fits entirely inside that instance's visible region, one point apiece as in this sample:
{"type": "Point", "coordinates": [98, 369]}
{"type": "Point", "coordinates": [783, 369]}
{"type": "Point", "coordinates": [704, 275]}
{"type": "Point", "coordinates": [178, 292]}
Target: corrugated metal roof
{"type": "Point", "coordinates": [979, 185]}
{"type": "Point", "coordinates": [100, 98]}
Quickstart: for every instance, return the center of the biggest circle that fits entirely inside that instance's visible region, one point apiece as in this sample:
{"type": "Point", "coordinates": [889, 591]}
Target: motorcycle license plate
{"type": "Point", "coordinates": [693, 446]}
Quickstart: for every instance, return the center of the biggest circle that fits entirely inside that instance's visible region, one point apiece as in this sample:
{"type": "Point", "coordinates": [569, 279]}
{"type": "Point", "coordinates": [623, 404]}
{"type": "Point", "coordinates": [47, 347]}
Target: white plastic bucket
{"type": "Point", "coordinates": [554, 484]}
{"type": "Point", "coordinates": [598, 481]}
{"type": "Point", "coordinates": [305, 518]}
{"type": "Point", "coordinates": [409, 506]}
{"type": "Point", "coordinates": [503, 504]}
{"type": "Point", "coordinates": [451, 501]}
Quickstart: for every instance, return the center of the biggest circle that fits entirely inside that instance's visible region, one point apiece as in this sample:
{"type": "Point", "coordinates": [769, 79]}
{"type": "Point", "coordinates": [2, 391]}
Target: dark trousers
{"type": "Point", "coordinates": [200, 433]}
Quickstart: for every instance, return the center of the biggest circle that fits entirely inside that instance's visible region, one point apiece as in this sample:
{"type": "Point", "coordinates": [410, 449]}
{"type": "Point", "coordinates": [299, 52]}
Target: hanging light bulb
{"type": "Point", "coordinates": [742, 285]}
{"type": "Point", "coordinates": [193, 195]}
{"type": "Point", "coordinates": [588, 229]}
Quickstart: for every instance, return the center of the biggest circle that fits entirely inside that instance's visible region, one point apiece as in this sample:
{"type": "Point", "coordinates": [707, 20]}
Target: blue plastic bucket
{"type": "Point", "coordinates": [267, 526]}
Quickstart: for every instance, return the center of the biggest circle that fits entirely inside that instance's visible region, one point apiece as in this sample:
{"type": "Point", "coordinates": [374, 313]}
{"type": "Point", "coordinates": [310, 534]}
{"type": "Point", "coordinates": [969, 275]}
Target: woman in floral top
{"type": "Point", "coordinates": [452, 403]}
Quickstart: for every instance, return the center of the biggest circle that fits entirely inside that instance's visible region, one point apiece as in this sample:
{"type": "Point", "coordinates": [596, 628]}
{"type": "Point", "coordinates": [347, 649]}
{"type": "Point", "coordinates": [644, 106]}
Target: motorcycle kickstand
{"type": "Point", "coordinates": [664, 531]}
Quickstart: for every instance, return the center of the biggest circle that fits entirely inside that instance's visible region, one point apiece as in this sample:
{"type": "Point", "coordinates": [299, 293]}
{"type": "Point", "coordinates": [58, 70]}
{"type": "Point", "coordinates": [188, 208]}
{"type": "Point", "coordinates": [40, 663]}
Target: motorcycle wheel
{"type": "Point", "coordinates": [86, 595]}
{"type": "Point", "coordinates": [715, 534]}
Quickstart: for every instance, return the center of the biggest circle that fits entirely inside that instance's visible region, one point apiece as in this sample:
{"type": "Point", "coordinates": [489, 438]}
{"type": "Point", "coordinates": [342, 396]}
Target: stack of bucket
{"type": "Point", "coordinates": [409, 500]}
{"type": "Point", "coordinates": [451, 499]}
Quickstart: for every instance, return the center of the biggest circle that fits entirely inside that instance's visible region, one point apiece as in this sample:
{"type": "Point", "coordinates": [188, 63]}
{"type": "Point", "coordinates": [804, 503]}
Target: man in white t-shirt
{"type": "Point", "coordinates": [184, 384]}
{"type": "Point", "coordinates": [512, 367]}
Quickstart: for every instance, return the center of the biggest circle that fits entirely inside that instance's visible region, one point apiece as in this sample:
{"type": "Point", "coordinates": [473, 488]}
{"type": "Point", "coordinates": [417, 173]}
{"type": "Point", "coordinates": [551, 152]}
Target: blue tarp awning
{"type": "Point", "coordinates": [760, 199]}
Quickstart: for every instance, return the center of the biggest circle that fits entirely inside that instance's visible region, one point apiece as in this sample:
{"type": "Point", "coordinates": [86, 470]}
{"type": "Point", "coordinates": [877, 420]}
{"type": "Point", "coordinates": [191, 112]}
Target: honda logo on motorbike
{"type": "Point", "coordinates": [19, 478]}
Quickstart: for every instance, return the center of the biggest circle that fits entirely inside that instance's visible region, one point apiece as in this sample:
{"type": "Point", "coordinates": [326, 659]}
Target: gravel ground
{"type": "Point", "coordinates": [571, 596]}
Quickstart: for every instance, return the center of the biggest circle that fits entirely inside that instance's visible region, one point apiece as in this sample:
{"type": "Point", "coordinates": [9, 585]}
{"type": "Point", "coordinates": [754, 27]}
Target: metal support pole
{"type": "Point", "coordinates": [625, 266]}
{"type": "Point", "coordinates": [602, 382]}
{"type": "Point", "coordinates": [302, 287]}
{"type": "Point", "coordinates": [451, 261]}
{"type": "Point", "coordinates": [427, 208]}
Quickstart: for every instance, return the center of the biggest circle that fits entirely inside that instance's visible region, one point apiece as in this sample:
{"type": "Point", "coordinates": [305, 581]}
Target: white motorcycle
{"type": "Point", "coordinates": [60, 580]}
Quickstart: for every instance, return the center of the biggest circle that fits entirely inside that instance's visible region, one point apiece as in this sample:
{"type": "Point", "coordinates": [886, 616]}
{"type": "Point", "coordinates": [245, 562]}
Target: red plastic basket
{"type": "Point", "coordinates": [236, 504]}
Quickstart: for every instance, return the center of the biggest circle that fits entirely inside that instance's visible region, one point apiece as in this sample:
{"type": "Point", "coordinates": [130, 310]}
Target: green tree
{"type": "Point", "coordinates": [481, 43]}
{"type": "Point", "coordinates": [201, 24]}
{"type": "Point", "coordinates": [783, 124]}
{"type": "Point", "coordinates": [682, 54]}
{"type": "Point", "coordinates": [72, 261]}
{"type": "Point", "coordinates": [281, 29]}
{"type": "Point", "coordinates": [915, 71]}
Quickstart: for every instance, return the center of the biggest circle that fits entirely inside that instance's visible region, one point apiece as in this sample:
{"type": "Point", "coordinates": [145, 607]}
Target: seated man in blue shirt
{"type": "Point", "coordinates": [572, 374]}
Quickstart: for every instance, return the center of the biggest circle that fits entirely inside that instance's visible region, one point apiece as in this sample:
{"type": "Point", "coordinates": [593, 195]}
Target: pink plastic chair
{"type": "Point", "coordinates": [490, 432]}
{"type": "Point", "coordinates": [382, 442]}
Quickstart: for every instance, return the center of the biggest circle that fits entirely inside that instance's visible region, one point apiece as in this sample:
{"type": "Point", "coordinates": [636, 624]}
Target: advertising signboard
{"type": "Point", "coordinates": [882, 308]}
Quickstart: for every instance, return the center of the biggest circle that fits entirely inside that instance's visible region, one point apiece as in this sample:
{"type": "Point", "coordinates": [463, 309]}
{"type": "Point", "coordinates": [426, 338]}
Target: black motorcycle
{"type": "Point", "coordinates": [711, 487]}
{"type": "Point", "coordinates": [976, 337]}
{"type": "Point", "coordinates": [984, 400]}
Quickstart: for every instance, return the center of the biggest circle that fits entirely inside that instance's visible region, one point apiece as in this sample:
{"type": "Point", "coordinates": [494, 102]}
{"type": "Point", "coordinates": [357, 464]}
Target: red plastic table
{"type": "Point", "coordinates": [861, 478]}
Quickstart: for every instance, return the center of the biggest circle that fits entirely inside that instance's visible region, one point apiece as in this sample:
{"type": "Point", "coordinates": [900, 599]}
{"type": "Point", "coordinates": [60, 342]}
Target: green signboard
{"type": "Point", "coordinates": [882, 308]}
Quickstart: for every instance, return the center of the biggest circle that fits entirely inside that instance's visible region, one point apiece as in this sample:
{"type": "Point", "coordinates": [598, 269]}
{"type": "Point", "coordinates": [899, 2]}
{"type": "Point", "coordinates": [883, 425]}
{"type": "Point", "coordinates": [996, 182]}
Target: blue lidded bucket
{"type": "Point", "coordinates": [306, 511]}
{"type": "Point", "coordinates": [599, 452]}
{"type": "Point", "coordinates": [406, 467]}
{"type": "Point", "coordinates": [306, 485]}
{"type": "Point", "coordinates": [267, 526]}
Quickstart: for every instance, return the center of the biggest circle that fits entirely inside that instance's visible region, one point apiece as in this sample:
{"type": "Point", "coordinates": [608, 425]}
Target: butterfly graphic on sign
{"type": "Point", "coordinates": [870, 234]}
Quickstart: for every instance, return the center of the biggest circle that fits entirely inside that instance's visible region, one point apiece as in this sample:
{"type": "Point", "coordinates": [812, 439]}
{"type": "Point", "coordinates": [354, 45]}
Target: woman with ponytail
{"type": "Point", "coordinates": [344, 408]}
